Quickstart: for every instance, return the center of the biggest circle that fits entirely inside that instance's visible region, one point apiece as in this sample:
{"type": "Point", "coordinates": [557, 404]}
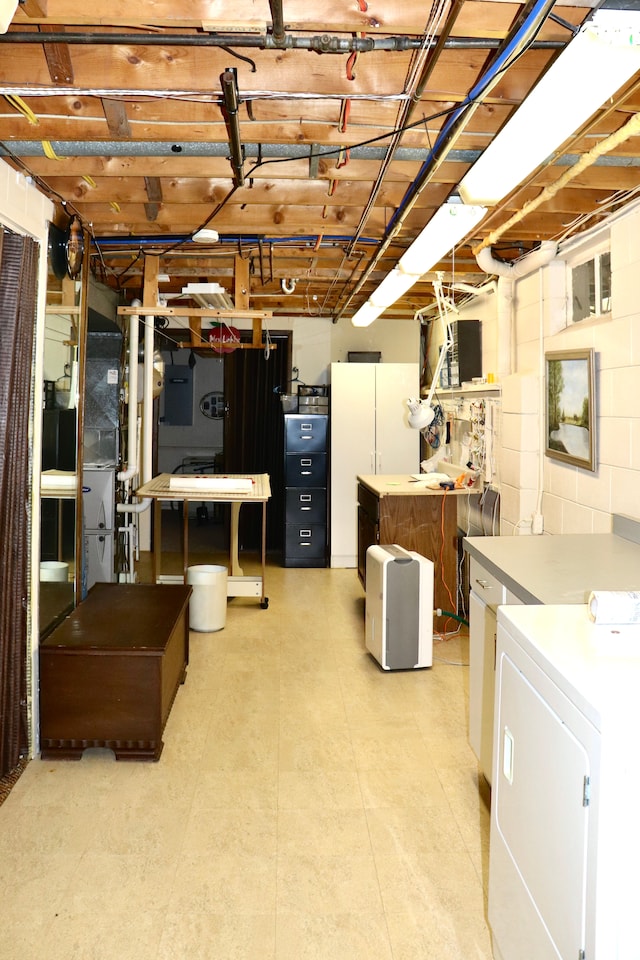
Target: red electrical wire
{"type": "Point", "coordinates": [345, 110]}
{"type": "Point", "coordinates": [441, 558]}
{"type": "Point", "coordinates": [343, 157]}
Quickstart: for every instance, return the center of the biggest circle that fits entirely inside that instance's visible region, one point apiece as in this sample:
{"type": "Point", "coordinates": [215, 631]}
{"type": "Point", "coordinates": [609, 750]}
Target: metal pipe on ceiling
{"type": "Point", "coordinates": [277, 22]}
{"type": "Point", "coordinates": [229, 82]}
{"type": "Point", "coordinates": [265, 41]}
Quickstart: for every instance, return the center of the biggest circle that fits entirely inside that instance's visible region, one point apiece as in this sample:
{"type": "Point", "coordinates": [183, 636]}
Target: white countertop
{"type": "Point", "coordinates": [559, 569]}
{"type": "Point", "coordinates": [598, 663]}
{"type": "Point", "coordinates": [403, 485]}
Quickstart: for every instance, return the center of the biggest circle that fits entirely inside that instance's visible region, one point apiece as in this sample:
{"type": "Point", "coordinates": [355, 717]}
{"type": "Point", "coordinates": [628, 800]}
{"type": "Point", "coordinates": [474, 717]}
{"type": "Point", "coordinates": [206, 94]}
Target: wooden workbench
{"type": "Point", "coordinates": [170, 486]}
{"type": "Point", "coordinates": [395, 509]}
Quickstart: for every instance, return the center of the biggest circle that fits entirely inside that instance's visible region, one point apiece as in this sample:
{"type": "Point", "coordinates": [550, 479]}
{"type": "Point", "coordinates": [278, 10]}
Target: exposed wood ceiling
{"type": "Point", "coordinates": [121, 116]}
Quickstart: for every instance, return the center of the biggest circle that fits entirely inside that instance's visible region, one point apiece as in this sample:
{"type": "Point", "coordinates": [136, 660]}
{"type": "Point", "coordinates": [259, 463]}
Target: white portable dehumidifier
{"type": "Point", "coordinates": [399, 608]}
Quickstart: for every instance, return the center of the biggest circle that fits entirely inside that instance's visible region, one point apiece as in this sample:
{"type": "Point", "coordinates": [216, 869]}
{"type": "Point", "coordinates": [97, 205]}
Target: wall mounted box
{"type": "Point", "coordinates": [464, 360]}
{"type": "Point", "coordinates": [364, 356]}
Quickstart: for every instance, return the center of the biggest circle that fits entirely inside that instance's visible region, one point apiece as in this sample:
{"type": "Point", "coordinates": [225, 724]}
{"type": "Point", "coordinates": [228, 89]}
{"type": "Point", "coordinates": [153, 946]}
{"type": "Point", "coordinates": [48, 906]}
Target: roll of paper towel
{"type": "Point", "coordinates": [614, 606]}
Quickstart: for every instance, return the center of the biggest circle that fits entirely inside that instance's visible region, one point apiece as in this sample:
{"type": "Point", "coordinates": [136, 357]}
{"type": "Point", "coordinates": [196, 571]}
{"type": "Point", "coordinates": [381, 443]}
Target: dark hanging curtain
{"type": "Point", "coordinates": [18, 279]}
{"type": "Point", "coordinates": [254, 432]}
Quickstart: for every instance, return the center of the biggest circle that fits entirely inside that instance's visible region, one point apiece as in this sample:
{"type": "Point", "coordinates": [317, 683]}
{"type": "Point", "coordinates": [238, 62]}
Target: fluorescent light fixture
{"type": "Point", "coordinates": [7, 12]}
{"type": "Point", "coordinates": [603, 55]}
{"type": "Point", "coordinates": [206, 235]}
{"type": "Point", "coordinates": [447, 227]}
{"type": "Point", "coordinates": [366, 314]}
{"type": "Point", "coordinates": [395, 284]}
{"type": "Point", "coordinates": [209, 295]}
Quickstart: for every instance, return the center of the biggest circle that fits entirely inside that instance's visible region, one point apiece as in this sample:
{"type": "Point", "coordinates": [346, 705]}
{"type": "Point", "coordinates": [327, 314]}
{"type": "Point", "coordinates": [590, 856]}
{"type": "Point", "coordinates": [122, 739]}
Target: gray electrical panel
{"type": "Point", "coordinates": [178, 396]}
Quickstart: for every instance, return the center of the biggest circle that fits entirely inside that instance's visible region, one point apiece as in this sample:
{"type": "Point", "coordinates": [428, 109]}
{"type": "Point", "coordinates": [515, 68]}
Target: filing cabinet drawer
{"type": "Point", "coordinates": [305, 470]}
{"type": "Point", "coordinates": [304, 506]}
{"type": "Point", "coordinates": [305, 433]}
{"type": "Point", "coordinates": [306, 541]}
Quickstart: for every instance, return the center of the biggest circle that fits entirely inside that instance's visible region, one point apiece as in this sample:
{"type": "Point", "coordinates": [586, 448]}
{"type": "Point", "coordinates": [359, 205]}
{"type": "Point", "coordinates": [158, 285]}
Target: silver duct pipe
{"type": "Point", "coordinates": [167, 148]}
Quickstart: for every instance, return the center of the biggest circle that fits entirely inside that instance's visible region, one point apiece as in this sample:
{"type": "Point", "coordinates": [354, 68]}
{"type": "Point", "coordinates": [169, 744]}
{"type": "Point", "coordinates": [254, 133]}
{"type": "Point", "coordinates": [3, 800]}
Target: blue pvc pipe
{"type": "Point", "coordinates": [160, 240]}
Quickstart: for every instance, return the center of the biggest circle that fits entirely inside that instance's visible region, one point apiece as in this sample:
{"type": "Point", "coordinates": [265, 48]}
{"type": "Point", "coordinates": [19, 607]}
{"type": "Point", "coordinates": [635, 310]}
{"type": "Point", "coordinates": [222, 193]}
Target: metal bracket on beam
{"type": "Point", "coordinates": [314, 161]}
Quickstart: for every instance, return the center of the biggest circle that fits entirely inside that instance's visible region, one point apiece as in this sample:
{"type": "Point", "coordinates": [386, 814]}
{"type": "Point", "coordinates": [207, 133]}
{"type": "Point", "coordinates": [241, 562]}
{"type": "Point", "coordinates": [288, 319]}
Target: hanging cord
{"type": "Point", "coordinates": [267, 343]}
{"type": "Point", "coordinates": [441, 556]}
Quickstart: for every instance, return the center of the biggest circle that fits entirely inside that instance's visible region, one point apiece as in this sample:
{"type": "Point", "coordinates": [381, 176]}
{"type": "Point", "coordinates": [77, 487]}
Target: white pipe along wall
{"type": "Point", "coordinates": [507, 274]}
{"type": "Point", "coordinates": [132, 431]}
{"type": "Point", "coordinates": [132, 399]}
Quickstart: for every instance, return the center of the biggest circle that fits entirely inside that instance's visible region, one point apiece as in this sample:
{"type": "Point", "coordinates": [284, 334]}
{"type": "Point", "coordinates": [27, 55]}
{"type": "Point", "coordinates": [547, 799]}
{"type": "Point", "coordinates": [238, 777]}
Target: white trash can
{"type": "Point", "coordinates": [208, 603]}
{"type": "Point", "coordinates": [56, 571]}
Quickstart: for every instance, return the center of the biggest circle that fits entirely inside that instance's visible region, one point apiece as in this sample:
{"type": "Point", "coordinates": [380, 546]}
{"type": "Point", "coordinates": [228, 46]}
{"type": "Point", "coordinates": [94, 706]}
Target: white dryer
{"type": "Point", "coordinates": [565, 831]}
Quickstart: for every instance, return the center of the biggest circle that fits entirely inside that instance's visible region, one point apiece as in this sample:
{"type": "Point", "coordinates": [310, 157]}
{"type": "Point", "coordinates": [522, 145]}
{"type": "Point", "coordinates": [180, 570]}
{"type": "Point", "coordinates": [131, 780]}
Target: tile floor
{"type": "Point", "coordinates": [307, 806]}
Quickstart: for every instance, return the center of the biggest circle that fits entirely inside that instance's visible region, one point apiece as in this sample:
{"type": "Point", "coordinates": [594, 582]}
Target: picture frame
{"type": "Point", "coordinates": [570, 421]}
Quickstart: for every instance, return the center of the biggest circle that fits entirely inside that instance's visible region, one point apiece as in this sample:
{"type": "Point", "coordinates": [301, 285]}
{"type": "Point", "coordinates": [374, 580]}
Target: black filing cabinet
{"type": "Point", "coordinates": [305, 479]}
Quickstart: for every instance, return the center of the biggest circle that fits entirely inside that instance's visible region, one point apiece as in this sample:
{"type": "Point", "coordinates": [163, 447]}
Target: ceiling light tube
{"type": "Point", "coordinates": [603, 55]}
{"type": "Point", "coordinates": [447, 227]}
{"type": "Point", "coordinates": [395, 284]}
{"type": "Point", "coordinates": [366, 314]}
{"type": "Point", "coordinates": [209, 295]}
{"type": "Point", "coordinates": [7, 12]}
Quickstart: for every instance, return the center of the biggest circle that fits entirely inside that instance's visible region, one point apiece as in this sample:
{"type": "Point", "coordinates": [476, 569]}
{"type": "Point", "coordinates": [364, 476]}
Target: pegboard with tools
{"type": "Point", "coordinates": [469, 433]}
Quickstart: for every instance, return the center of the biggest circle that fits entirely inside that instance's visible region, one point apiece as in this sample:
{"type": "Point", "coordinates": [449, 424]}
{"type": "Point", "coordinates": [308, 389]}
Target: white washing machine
{"type": "Point", "coordinates": [565, 828]}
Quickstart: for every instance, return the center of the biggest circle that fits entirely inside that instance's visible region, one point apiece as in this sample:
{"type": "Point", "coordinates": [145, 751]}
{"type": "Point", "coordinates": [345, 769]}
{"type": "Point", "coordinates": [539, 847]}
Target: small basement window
{"type": "Point", "coordinates": [591, 287]}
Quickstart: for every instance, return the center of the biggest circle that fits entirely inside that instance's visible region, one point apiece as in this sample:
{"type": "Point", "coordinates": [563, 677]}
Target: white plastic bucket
{"type": "Point", "coordinates": [54, 570]}
{"type": "Point", "coordinates": [208, 603]}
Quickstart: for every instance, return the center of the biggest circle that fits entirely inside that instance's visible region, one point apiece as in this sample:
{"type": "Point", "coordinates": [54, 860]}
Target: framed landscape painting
{"type": "Point", "coordinates": [570, 420]}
